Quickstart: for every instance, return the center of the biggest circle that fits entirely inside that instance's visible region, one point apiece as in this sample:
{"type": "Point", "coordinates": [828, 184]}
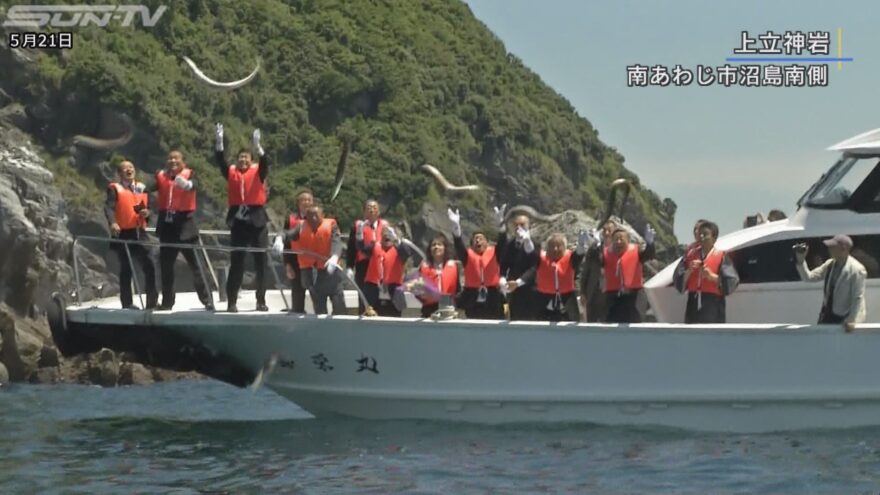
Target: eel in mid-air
{"type": "Point", "coordinates": [217, 84]}
{"type": "Point", "coordinates": [107, 144]}
{"type": "Point", "coordinates": [340, 168]}
{"type": "Point", "coordinates": [445, 184]}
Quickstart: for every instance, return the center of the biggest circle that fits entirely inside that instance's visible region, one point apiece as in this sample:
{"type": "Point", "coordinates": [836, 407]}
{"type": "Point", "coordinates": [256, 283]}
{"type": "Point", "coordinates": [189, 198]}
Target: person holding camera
{"type": "Point", "coordinates": [708, 275]}
{"type": "Point", "coordinates": [843, 300]}
{"type": "Point", "coordinates": [127, 211]}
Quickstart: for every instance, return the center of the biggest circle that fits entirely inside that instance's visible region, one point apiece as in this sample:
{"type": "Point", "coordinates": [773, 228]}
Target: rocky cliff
{"type": "Point", "coordinates": [36, 257]}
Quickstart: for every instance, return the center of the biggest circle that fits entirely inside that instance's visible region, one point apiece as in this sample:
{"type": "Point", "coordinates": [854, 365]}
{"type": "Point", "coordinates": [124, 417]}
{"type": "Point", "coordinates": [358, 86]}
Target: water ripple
{"type": "Point", "coordinates": [206, 437]}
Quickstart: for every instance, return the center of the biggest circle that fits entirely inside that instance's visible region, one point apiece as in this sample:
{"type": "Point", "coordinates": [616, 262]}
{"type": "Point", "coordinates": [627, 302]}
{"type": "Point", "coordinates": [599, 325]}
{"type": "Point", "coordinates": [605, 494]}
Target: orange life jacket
{"type": "Point", "coordinates": [385, 266]}
{"type": "Point", "coordinates": [697, 282]}
{"type": "Point", "coordinates": [555, 277]}
{"type": "Point", "coordinates": [318, 242]}
{"type": "Point", "coordinates": [445, 279]}
{"type": "Point", "coordinates": [623, 271]}
{"type": "Point", "coordinates": [292, 221]}
{"type": "Point", "coordinates": [482, 270]}
{"type": "Point", "coordinates": [171, 197]}
{"type": "Point", "coordinates": [245, 188]}
{"type": "Point", "coordinates": [370, 236]}
{"type": "Point", "coordinates": [126, 200]}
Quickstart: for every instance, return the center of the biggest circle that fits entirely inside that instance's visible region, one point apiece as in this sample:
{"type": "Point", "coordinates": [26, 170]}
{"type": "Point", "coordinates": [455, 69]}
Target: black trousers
{"type": "Point", "coordinates": [712, 309]}
{"type": "Point", "coordinates": [141, 255]}
{"type": "Point", "coordinates": [567, 309]}
{"type": "Point", "coordinates": [491, 309]}
{"type": "Point", "coordinates": [623, 308]}
{"type": "Point", "coordinates": [167, 258]}
{"type": "Point", "coordinates": [383, 307]}
{"type": "Point", "coordinates": [246, 235]}
{"type": "Point", "coordinates": [360, 273]}
{"type": "Point", "coordinates": [297, 291]}
{"type": "Point", "coordinates": [323, 287]}
{"type": "Point", "coordinates": [522, 304]}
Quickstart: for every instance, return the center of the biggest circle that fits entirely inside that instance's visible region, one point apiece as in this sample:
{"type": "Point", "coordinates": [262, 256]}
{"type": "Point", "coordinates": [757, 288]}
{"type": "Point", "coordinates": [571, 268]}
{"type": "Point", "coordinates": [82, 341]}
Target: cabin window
{"type": "Point", "coordinates": [774, 261]}
{"type": "Point", "coordinates": [844, 178]}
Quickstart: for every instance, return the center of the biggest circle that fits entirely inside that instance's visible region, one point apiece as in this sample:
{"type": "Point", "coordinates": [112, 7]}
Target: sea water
{"type": "Point", "coordinates": [208, 437]}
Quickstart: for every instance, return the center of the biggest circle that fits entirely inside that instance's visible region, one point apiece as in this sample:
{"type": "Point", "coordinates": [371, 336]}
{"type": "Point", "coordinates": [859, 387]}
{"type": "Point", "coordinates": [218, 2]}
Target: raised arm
{"type": "Point", "coordinates": [219, 156]}
{"type": "Point", "coordinates": [815, 274]}
{"type": "Point", "coordinates": [264, 159]}
{"type": "Point", "coordinates": [461, 251]}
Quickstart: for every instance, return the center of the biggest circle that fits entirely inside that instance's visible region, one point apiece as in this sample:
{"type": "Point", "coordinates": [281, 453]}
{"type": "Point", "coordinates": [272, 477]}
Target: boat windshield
{"type": "Point", "coordinates": [836, 187]}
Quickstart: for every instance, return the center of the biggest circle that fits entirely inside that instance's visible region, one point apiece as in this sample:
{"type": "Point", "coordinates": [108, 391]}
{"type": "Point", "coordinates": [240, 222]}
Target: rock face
{"type": "Point", "coordinates": [35, 260]}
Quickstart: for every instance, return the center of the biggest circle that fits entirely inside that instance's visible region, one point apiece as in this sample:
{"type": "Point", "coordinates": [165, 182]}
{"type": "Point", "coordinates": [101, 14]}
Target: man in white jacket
{"type": "Point", "coordinates": [844, 277]}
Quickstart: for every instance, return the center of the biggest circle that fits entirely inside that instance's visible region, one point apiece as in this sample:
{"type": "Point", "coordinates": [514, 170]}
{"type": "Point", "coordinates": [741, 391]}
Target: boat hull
{"type": "Point", "coordinates": [740, 378]}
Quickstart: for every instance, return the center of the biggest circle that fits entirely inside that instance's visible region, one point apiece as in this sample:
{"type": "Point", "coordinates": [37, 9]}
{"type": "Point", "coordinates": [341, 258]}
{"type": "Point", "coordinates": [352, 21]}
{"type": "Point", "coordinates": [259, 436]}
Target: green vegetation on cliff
{"type": "Point", "coordinates": [412, 82]}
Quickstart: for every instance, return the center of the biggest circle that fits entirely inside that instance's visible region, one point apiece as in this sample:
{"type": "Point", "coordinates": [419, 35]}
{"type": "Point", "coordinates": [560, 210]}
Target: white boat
{"type": "Point", "coordinates": [845, 200]}
{"type": "Point", "coordinates": [734, 377]}
{"type": "Point", "coordinates": [738, 377]}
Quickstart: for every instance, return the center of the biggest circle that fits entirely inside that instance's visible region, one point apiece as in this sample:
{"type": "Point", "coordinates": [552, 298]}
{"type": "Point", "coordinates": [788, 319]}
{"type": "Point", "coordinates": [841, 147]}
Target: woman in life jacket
{"type": "Point", "coordinates": [708, 276]}
{"type": "Point", "coordinates": [439, 278]}
{"type": "Point", "coordinates": [385, 271]}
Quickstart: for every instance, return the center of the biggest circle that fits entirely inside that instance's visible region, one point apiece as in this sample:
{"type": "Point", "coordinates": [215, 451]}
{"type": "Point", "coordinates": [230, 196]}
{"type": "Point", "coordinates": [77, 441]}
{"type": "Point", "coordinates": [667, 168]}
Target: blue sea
{"type": "Point", "coordinates": [207, 437]}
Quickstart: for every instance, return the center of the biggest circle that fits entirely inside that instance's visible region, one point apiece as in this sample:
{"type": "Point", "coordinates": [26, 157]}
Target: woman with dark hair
{"type": "Point", "coordinates": [708, 276]}
{"type": "Point", "coordinates": [439, 275]}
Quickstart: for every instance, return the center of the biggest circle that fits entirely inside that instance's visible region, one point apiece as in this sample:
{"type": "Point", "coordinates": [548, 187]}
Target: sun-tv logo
{"type": "Point", "coordinates": [68, 16]}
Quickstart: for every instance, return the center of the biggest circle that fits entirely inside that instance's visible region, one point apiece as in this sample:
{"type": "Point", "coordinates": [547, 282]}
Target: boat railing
{"type": "Point", "coordinates": [197, 246]}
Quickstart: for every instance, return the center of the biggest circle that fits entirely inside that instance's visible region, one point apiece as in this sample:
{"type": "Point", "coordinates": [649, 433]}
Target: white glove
{"type": "Point", "coordinates": [650, 234]}
{"type": "Point", "coordinates": [455, 218]}
{"type": "Point", "coordinates": [256, 142]}
{"type": "Point", "coordinates": [595, 238]}
{"type": "Point", "coordinates": [218, 135]}
{"type": "Point", "coordinates": [349, 273]}
{"type": "Point", "coordinates": [359, 230]}
{"type": "Point", "coordinates": [502, 285]}
{"type": "Point", "coordinates": [278, 245]}
{"type": "Point", "coordinates": [182, 183]}
{"type": "Point", "coordinates": [525, 237]}
{"type": "Point", "coordinates": [583, 242]}
{"type": "Point", "coordinates": [499, 217]}
{"type": "Point", "coordinates": [330, 264]}
{"type": "Point", "coordinates": [392, 235]}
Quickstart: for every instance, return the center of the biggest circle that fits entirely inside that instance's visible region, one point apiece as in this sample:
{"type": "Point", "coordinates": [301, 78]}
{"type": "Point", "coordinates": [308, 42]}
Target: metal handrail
{"type": "Point", "coordinates": [152, 230]}
{"type": "Point", "coordinates": [181, 245]}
